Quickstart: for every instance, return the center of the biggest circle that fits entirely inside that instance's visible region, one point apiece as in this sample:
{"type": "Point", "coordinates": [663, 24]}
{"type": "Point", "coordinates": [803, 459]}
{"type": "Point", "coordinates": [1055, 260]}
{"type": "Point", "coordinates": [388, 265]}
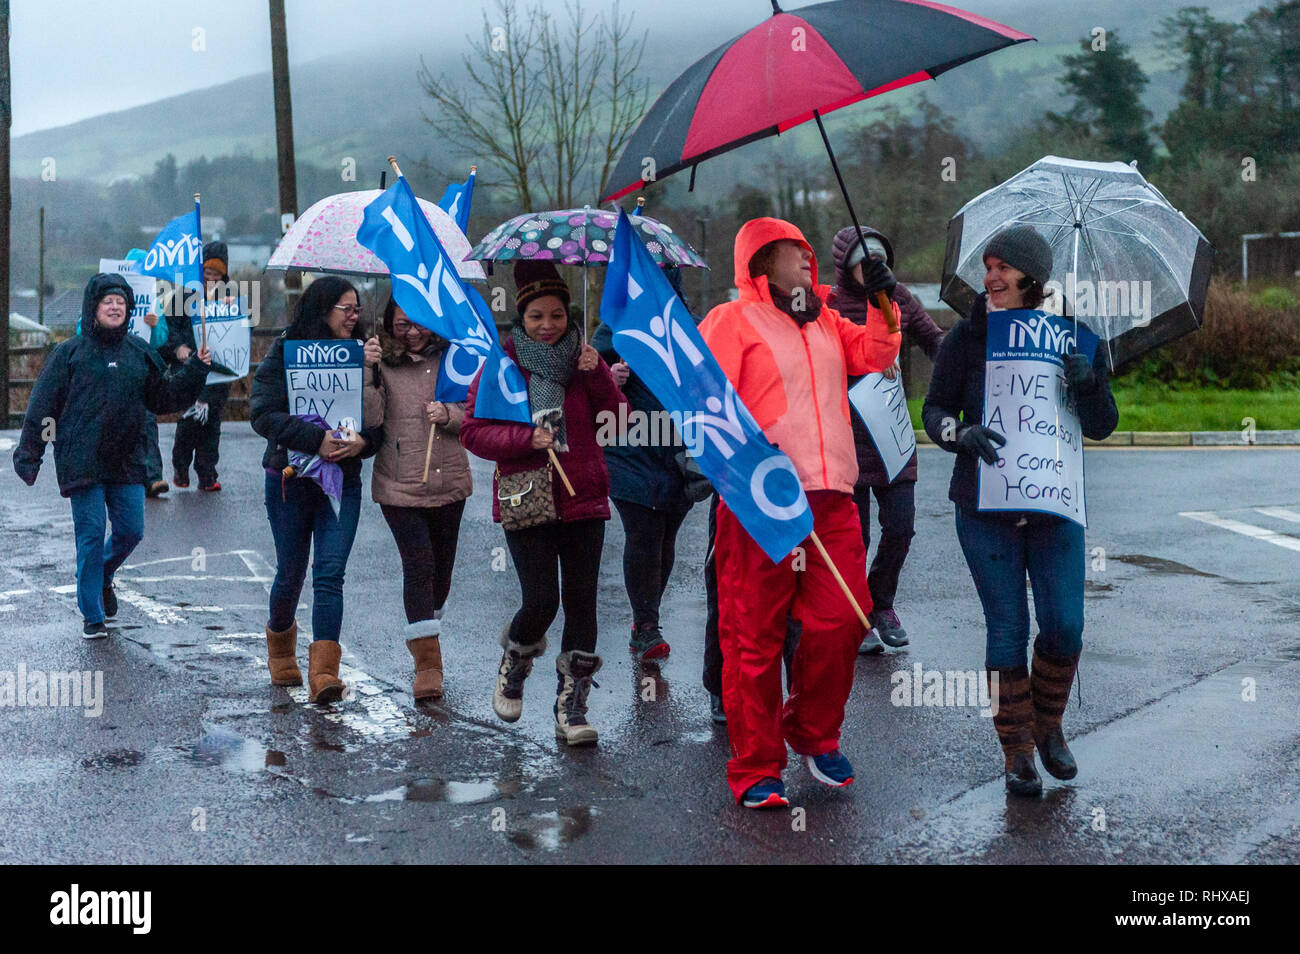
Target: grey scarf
{"type": "Point", "coordinates": [550, 366]}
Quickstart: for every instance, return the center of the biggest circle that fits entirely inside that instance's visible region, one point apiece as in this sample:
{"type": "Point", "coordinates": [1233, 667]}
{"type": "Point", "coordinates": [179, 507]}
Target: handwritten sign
{"type": "Point", "coordinates": [229, 339]}
{"type": "Point", "coordinates": [882, 405]}
{"type": "Point", "coordinates": [142, 286]}
{"type": "Point", "coordinates": [325, 378]}
{"type": "Point", "coordinates": [1027, 401]}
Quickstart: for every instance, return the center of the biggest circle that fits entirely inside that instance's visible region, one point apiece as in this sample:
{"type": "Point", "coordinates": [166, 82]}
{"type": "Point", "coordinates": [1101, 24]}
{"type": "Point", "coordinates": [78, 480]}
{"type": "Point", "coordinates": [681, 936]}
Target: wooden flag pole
{"type": "Point", "coordinates": [392, 161]}
{"type": "Point", "coordinates": [560, 470]}
{"type": "Point", "coordinates": [862, 617]}
{"type": "Point", "coordinates": [203, 295]}
{"type": "Point", "coordinates": [428, 453]}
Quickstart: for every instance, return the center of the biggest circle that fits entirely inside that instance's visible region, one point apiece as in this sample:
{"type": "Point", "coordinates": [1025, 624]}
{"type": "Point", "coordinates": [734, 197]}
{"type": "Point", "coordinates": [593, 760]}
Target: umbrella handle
{"type": "Point", "coordinates": [886, 306]}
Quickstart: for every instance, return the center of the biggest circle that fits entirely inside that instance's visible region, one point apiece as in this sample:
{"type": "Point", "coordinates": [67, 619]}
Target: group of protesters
{"type": "Point", "coordinates": [789, 345]}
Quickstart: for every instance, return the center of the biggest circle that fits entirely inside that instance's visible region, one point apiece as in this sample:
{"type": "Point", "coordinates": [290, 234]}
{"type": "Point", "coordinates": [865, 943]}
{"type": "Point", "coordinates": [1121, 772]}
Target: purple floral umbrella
{"type": "Point", "coordinates": [582, 238]}
{"type": "Point", "coordinates": [327, 474]}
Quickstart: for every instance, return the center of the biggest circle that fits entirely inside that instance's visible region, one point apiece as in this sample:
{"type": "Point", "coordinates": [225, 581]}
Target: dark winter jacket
{"type": "Point", "coordinates": [650, 475]}
{"type": "Point", "coordinates": [269, 411]}
{"type": "Point", "coordinates": [917, 326]}
{"type": "Point", "coordinates": [91, 399]}
{"type": "Point", "coordinates": [957, 391]}
{"type": "Point", "coordinates": [180, 331]}
{"type": "Point", "coordinates": [510, 443]}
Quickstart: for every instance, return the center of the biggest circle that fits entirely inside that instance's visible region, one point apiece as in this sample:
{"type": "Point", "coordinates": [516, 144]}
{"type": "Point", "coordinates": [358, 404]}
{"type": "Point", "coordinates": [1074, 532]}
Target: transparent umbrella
{"type": "Point", "coordinates": [1129, 265]}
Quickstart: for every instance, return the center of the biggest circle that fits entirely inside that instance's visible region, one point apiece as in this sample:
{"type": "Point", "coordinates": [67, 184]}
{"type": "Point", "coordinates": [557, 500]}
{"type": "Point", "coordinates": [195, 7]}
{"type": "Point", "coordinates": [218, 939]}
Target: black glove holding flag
{"type": "Point", "coordinates": [876, 277]}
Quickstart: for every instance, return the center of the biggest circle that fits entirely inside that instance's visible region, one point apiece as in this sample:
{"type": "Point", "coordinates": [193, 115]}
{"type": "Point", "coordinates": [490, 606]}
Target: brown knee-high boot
{"type": "Point", "coordinates": [1050, 687]}
{"type": "Point", "coordinates": [281, 656]}
{"type": "Point", "coordinates": [1014, 722]}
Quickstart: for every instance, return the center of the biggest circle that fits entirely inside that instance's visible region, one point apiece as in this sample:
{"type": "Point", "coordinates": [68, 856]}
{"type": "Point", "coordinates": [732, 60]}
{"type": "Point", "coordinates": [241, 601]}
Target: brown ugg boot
{"type": "Point", "coordinates": [323, 671]}
{"type": "Point", "coordinates": [281, 656]}
{"type": "Point", "coordinates": [428, 667]}
{"type": "Point", "coordinates": [1049, 685]}
{"type": "Point", "coordinates": [1014, 722]}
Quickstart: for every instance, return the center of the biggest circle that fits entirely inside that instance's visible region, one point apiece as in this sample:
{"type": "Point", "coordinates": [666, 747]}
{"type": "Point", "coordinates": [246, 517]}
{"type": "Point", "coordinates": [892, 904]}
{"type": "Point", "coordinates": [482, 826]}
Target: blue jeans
{"type": "Point", "coordinates": [93, 508]}
{"type": "Point", "coordinates": [303, 516]}
{"type": "Point", "coordinates": [999, 553]}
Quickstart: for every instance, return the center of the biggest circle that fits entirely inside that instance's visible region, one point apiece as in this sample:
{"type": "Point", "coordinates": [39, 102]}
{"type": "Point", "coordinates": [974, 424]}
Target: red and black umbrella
{"type": "Point", "coordinates": [797, 66]}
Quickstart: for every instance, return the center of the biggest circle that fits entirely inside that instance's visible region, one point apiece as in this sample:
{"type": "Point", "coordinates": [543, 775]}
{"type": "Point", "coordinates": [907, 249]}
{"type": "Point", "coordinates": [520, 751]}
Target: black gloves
{"type": "Point", "coordinates": [876, 277]}
{"type": "Point", "coordinates": [979, 440]}
{"type": "Point", "coordinates": [1079, 375]}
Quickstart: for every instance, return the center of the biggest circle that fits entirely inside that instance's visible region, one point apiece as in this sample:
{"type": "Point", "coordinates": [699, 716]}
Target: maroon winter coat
{"type": "Point", "coordinates": [510, 443]}
{"type": "Point", "coordinates": [917, 327]}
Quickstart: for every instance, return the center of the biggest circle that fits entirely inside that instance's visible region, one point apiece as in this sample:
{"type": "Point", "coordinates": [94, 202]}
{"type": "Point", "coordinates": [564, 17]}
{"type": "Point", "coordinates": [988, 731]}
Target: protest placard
{"type": "Point", "coordinates": [142, 286]}
{"type": "Point", "coordinates": [325, 378]}
{"type": "Point", "coordinates": [882, 406]}
{"type": "Point", "coordinates": [229, 339]}
{"type": "Point", "coordinates": [1027, 401]}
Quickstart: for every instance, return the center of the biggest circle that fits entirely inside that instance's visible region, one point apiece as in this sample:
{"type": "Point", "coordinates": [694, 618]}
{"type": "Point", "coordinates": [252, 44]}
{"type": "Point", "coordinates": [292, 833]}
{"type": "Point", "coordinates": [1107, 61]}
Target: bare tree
{"type": "Point", "coordinates": [548, 103]}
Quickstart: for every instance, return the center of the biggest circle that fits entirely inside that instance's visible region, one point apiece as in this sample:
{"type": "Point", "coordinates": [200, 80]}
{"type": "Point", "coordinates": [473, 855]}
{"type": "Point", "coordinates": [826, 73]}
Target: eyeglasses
{"type": "Point", "coordinates": [349, 310]}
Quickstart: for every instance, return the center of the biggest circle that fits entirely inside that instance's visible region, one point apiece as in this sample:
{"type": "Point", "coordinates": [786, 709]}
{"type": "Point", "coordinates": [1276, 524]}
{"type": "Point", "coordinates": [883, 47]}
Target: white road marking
{"type": "Point", "coordinates": [1279, 513]}
{"type": "Point", "coordinates": [163, 615]}
{"type": "Point", "coordinates": [1245, 529]}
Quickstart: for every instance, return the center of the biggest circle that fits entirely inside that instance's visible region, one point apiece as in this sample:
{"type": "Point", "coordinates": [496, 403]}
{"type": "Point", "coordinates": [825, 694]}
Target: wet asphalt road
{"type": "Point", "coordinates": [195, 758]}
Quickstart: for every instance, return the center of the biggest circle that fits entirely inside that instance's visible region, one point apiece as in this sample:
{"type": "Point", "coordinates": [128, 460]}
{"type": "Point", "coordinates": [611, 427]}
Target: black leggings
{"type": "Point", "coordinates": [557, 563]}
{"type": "Point", "coordinates": [648, 556]}
{"type": "Point", "coordinates": [426, 538]}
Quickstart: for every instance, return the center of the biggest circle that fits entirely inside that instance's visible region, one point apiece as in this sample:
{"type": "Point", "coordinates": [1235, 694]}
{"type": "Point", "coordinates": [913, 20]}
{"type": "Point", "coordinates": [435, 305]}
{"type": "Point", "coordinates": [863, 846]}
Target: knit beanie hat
{"type": "Point", "coordinates": [535, 279]}
{"type": "Point", "coordinates": [1022, 247]}
{"type": "Point", "coordinates": [216, 256]}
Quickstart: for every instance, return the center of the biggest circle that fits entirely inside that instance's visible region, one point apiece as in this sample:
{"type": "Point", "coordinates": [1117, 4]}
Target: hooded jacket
{"type": "Point", "coordinates": [916, 325]}
{"type": "Point", "coordinates": [91, 398]}
{"type": "Point", "coordinates": [793, 378]}
{"type": "Point", "coordinates": [396, 392]}
{"type": "Point", "coordinates": [957, 391]}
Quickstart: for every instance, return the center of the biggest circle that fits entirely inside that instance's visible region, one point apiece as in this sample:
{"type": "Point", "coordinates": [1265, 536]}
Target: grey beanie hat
{"type": "Point", "coordinates": [1022, 247]}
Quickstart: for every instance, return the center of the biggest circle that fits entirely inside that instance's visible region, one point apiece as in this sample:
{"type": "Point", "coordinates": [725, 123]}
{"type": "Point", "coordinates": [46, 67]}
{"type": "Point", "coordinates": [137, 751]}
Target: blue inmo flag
{"type": "Point", "coordinates": [176, 255]}
{"type": "Point", "coordinates": [427, 287]}
{"type": "Point", "coordinates": [657, 338]}
{"type": "Point", "coordinates": [455, 201]}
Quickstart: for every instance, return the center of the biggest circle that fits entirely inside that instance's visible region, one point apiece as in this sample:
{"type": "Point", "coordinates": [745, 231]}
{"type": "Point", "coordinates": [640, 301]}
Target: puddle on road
{"type": "Point", "coordinates": [1158, 565]}
{"type": "Point", "coordinates": [551, 831]}
{"type": "Point", "coordinates": [451, 791]}
{"type": "Point", "coordinates": [1090, 586]}
{"type": "Point", "coordinates": [116, 758]}
{"type": "Point", "coordinates": [234, 753]}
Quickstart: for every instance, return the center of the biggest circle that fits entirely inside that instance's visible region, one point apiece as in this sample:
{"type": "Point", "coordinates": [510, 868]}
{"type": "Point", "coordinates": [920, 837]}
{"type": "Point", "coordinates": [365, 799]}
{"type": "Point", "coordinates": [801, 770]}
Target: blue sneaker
{"type": "Point", "coordinates": [769, 793]}
{"type": "Point", "coordinates": [831, 769]}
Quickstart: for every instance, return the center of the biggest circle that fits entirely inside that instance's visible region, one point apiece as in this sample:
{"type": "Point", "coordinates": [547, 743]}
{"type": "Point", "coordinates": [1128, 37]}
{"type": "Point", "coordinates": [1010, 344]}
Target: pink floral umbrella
{"type": "Point", "coordinates": [324, 239]}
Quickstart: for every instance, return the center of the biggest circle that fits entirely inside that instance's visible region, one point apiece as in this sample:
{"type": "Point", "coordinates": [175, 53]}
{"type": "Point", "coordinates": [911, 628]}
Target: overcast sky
{"type": "Point", "coordinates": [72, 59]}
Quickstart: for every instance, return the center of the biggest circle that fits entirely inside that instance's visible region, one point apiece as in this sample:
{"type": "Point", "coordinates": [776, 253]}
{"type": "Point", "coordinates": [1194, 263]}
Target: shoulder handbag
{"type": "Point", "coordinates": [525, 499]}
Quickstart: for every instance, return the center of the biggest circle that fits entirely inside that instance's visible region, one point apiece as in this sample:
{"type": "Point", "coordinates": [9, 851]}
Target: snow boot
{"type": "Point", "coordinates": [1014, 722]}
{"type": "Point", "coordinates": [516, 664]}
{"type": "Point", "coordinates": [574, 671]}
{"type": "Point", "coordinates": [281, 656]}
{"type": "Point", "coordinates": [323, 672]}
{"type": "Point", "coordinates": [423, 644]}
{"type": "Point", "coordinates": [1049, 685]}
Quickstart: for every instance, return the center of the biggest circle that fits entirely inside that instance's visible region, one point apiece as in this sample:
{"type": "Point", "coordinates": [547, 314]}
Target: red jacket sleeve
{"type": "Point", "coordinates": [493, 440]}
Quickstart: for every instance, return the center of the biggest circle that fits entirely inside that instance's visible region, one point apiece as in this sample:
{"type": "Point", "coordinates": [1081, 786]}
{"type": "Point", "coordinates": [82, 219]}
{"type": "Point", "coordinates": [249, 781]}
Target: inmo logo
{"type": "Point", "coordinates": [174, 253]}
{"type": "Point", "coordinates": [1041, 334]}
{"type": "Point", "coordinates": [324, 353]}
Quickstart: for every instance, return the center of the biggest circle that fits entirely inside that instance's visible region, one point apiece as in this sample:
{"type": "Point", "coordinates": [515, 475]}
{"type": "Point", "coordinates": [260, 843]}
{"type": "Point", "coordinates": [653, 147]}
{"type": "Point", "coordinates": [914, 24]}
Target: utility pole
{"type": "Point", "coordinates": [6, 118]}
{"type": "Point", "coordinates": [284, 134]}
{"type": "Point", "coordinates": [40, 282]}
